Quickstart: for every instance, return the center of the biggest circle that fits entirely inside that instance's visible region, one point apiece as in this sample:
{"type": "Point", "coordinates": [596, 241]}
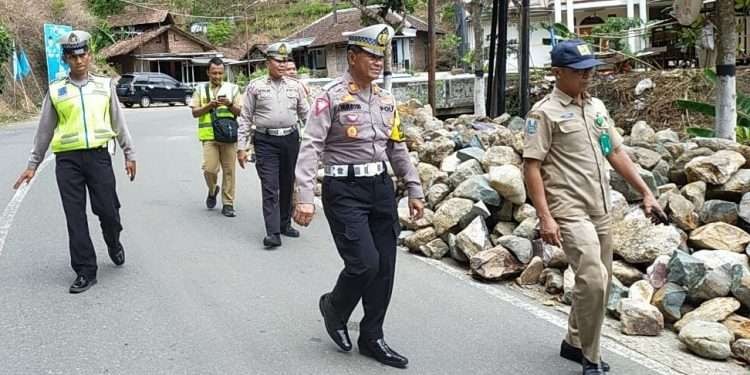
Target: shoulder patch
{"type": "Point", "coordinates": [330, 85]}
{"type": "Point", "coordinates": [532, 125]}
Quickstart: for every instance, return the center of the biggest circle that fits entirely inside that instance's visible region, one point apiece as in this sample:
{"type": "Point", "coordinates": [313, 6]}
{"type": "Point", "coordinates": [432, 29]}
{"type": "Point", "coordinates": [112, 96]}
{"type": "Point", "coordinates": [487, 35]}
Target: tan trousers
{"type": "Point", "coordinates": [220, 155]}
{"type": "Point", "coordinates": [587, 243]}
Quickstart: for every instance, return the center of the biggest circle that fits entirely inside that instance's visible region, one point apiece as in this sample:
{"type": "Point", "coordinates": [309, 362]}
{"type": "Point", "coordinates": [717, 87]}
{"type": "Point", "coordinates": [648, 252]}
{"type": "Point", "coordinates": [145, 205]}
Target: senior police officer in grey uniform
{"type": "Point", "coordinates": [272, 107]}
{"type": "Point", "coordinates": [355, 126]}
{"type": "Point", "coordinates": [80, 116]}
{"type": "Point", "coordinates": [569, 139]}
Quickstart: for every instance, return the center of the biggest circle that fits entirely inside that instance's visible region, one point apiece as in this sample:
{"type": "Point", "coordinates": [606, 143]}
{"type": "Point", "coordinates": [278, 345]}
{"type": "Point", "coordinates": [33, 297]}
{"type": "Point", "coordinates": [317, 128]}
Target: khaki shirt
{"type": "Point", "coordinates": [270, 103]}
{"type": "Point", "coordinates": [350, 125]}
{"type": "Point", "coordinates": [565, 137]}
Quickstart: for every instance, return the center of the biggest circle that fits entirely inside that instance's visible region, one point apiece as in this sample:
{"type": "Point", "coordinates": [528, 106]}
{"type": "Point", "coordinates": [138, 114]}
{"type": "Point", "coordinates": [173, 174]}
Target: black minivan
{"type": "Point", "coordinates": [146, 88]}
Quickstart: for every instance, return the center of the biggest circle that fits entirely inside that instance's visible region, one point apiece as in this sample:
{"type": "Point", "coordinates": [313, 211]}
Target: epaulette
{"type": "Point", "coordinates": [328, 86]}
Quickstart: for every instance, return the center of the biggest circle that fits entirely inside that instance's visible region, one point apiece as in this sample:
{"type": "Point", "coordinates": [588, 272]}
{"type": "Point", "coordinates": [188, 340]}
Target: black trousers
{"type": "Point", "coordinates": [362, 215]}
{"type": "Point", "coordinates": [276, 158]}
{"type": "Point", "coordinates": [77, 171]}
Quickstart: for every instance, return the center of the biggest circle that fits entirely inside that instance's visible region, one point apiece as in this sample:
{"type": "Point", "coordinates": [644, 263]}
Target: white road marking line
{"type": "Point", "coordinates": [556, 319]}
{"type": "Point", "coordinates": [6, 219]}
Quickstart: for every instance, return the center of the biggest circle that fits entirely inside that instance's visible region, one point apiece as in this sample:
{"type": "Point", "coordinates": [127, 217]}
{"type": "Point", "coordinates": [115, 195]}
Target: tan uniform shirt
{"type": "Point", "coordinates": [349, 125]}
{"type": "Point", "coordinates": [270, 103]}
{"type": "Point", "coordinates": [565, 137]}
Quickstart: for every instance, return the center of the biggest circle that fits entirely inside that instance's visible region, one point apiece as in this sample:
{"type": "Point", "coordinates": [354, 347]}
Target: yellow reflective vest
{"type": "Point", "coordinates": [83, 116]}
{"type": "Point", "coordinates": [205, 124]}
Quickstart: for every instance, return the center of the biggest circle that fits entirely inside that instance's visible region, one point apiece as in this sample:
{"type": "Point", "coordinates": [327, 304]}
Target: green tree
{"type": "Point", "coordinates": [6, 51]}
{"type": "Point", "coordinates": [104, 8]}
{"type": "Point", "coordinates": [220, 32]}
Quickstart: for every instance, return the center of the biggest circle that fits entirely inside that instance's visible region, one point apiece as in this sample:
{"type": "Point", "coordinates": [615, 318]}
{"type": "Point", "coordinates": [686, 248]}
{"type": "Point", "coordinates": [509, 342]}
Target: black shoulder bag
{"type": "Point", "coordinates": [225, 128]}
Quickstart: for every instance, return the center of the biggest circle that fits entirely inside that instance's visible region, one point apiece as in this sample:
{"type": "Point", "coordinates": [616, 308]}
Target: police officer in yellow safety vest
{"type": "Point", "coordinates": [355, 127]}
{"type": "Point", "coordinates": [80, 116]}
{"type": "Point", "coordinates": [223, 99]}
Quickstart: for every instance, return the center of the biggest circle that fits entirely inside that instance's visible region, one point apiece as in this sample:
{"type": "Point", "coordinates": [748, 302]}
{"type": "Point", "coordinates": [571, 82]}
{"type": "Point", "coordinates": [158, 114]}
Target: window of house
{"type": "Point", "coordinates": [318, 58]}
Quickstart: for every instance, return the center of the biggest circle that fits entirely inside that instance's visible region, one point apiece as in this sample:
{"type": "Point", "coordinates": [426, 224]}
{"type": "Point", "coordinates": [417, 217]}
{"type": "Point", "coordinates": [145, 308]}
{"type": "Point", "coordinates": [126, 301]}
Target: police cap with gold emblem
{"type": "Point", "coordinates": [75, 42]}
{"type": "Point", "coordinates": [278, 51]}
{"type": "Point", "coordinates": [574, 54]}
{"type": "Point", "coordinates": [372, 39]}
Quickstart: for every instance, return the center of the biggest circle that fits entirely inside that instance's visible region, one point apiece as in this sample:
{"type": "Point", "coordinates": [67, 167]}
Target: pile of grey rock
{"type": "Point", "coordinates": [691, 276]}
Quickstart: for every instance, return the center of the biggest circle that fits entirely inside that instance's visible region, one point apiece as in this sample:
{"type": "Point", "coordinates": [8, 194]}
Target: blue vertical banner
{"type": "Point", "coordinates": [56, 67]}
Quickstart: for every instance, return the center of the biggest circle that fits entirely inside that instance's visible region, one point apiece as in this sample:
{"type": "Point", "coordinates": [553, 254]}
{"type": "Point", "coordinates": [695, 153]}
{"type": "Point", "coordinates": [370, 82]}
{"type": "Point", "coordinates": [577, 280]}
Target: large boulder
{"type": "Point", "coordinates": [714, 310]}
{"type": "Point", "coordinates": [449, 214]}
{"type": "Point", "coordinates": [453, 250]}
{"type": "Point", "coordinates": [507, 180]}
{"type": "Point", "coordinates": [684, 269]}
{"type": "Point", "coordinates": [450, 163]}
{"type": "Point", "coordinates": [718, 210]}
{"type": "Point", "coordinates": [495, 264]}
{"type": "Point", "coordinates": [641, 290]}
{"type": "Point", "coordinates": [695, 192]}
{"type": "Point", "coordinates": [478, 210]}
{"type": "Point", "coordinates": [464, 171]}
{"type": "Point", "coordinates": [744, 208]}
{"type": "Point", "coordinates": [640, 318]}
{"type": "Point", "coordinates": [638, 241]}
{"type": "Point", "coordinates": [436, 193]}
{"type": "Point", "coordinates": [642, 133]}
{"type": "Point", "coordinates": [420, 238]}
{"type": "Point", "coordinates": [716, 283]}
{"type": "Point", "coordinates": [554, 257]}
{"type": "Point", "coordinates": [715, 169]}
{"type": "Point", "coordinates": [619, 183]}
{"type": "Point", "coordinates": [656, 273]}
{"type": "Point", "coordinates": [669, 300]}
{"type": "Point", "coordinates": [720, 236]}
{"type": "Point", "coordinates": [406, 221]}
{"type": "Point", "coordinates": [716, 258]}
{"type": "Point", "coordinates": [617, 292]}
{"type": "Point", "coordinates": [524, 212]}
{"type": "Point", "coordinates": [682, 212]}
{"type": "Point", "coordinates": [500, 155]}
{"type": "Point", "coordinates": [519, 246]}
{"type": "Point", "coordinates": [619, 204]}
{"type": "Point", "coordinates": [477, 188]}
{"type": "Point", "coordinates": [737, 185]}
{"type": "Point", "coordinates": [626, 273]}
{"type": "Point", "coordinates": [503, 228]}
{"type": "Point", "coordinates": [644, 157]}
{"type": "Point", "coordinates": [741, 349]}
{"type": "Point", "coordinates": [740, 284]}
{"type": "Point", "coordinates": [526, 228]}
{"type": "Point", "coordinates": [435, 249]}
{"type": "Point", "coordinates": [428, 174]}
{"type": "Point", "coordinates": [569, 283]}
{"type": "Point", "coordinates": [707, 339]}
{"type": "Point", "coordinates": [667, 136]}
{"type": "Point", "coordinates": [552, 279]}
{"type": "Point", "coordinates": [436, 150]}
{"type": "Point", "coordinates": [530, 276]}
{"type": "Point", "coordinates": [739, 325]}
{"type": "Point", "coordinates": [474, 238]}
{"type": "Point", "coordinates": [470, 153]}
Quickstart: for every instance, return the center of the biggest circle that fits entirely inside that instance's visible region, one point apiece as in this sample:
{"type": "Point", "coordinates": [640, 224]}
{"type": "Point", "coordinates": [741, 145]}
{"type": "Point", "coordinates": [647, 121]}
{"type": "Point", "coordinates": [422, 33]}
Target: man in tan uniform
{"type": "Point", "coordinates": [355, 126]}
{"type": "Point", "coordinates": [569, 139]}
{"type": "Point", "coordinates": [223, 99]}
{"type": "Point", "coordinates": [272, 108]}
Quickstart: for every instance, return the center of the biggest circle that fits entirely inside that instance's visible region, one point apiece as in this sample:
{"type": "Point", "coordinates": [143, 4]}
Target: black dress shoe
{"type": "Point", "coordinates": [574, 354]}
{"type": "Point", "coordinates": [228, 211]}
{"type": "Point", "coordinates": [336, 328]}
{"type": "Point", "coordinates": [591, 368]}
{"type": "Point", "coordinates": [82, 284]}
{"type": "Point", "coordinates": [117, 254]}
{"type": "Point", "coordinates": [290, 232]}
{"type": "Point", "coordinates": [380, 351]}
{"type": "Point", "coordinates": [211, 198]}
{"type": "Point", "coordinates": [272, 241]}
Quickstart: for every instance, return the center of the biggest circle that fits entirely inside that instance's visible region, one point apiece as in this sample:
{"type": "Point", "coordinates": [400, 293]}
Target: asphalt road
{"type": "Point", "coordinates": [199, 295]}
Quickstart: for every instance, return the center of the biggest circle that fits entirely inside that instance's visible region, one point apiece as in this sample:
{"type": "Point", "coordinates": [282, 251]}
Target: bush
{"type": "Point", "coordinates": [220, 32]}
{"type": "Point", "coordinates": [6, 51]}
{"type": "Point", "coordinates": [104, 8]}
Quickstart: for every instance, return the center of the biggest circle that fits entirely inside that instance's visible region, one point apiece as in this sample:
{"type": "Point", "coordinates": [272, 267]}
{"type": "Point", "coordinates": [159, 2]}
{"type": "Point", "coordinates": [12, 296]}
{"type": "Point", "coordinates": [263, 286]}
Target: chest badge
{"type": "Point", "coordinates": [347, 98]}
{"type": "Point", "coordinates": [62, 91]}
{"type": "Point", "coordinates": [351, 131]}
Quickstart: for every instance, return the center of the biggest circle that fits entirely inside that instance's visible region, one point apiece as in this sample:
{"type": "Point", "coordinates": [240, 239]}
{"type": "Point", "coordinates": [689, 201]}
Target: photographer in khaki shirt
{"type": "Point", "coordinates": [569, 138]}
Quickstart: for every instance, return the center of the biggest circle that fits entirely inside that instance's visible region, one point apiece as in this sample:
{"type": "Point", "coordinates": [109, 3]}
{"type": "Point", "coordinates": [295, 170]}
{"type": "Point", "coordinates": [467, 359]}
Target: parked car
{"type": "Point", "coordinates": [146, 88]}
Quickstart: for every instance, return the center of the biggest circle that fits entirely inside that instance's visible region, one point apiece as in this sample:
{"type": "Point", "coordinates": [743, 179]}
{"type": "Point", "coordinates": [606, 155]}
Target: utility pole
{"type": "Point", "coordinates": [498, 85]}
{"type": "Point", "coordinates": [524, 94]}
{"type": "Point", "coordinates": [726, 95]}
{"type": "Point", "coordinates": [491, 105]}
{"type": "Point", "coordinates": [432, 55]}
{"type": "Point", "coordinates": [479, 98]}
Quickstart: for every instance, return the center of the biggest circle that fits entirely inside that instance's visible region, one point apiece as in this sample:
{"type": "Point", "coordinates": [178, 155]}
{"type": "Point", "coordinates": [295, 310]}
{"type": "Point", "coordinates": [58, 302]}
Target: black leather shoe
{"type": "Point", "coordinates": [290, 232]}
{"type": "Point", "coordinates": [272, 241]}
{"type": "Point", "coordinates": [211, 198]}
{"type": "Point", "coordinates": [380, 351]}
{"type": "Point", "coordinates": [117, 254]}
{"type": "Point", "coordinates": [81, 284]}
{"type": "Point", "coordinates": [336, 329]}
{"type": "Point", "coordinates": [574, 354]}
{"type": "Point", "coordinates": [228, 211]}
{"type": "Point", "coordinates": [591, 368]}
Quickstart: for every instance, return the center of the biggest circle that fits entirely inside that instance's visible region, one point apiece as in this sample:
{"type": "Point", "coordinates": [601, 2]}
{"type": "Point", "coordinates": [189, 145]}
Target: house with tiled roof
{"type": "Point", "coordinates": [321, 47]}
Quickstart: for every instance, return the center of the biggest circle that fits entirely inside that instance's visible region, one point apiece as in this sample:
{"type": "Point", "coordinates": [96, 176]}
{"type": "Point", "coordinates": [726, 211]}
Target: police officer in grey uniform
{"type": "Point", "coordinates": [272, 107]}
{"type": "Point", "coordinates": [80, 116]}
{"type": "Point", "coordinates": [355, 126]}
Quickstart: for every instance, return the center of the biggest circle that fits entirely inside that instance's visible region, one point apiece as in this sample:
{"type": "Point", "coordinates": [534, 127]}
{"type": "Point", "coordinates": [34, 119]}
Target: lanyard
{"type": "Point", "coordinates": [604, 141]}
